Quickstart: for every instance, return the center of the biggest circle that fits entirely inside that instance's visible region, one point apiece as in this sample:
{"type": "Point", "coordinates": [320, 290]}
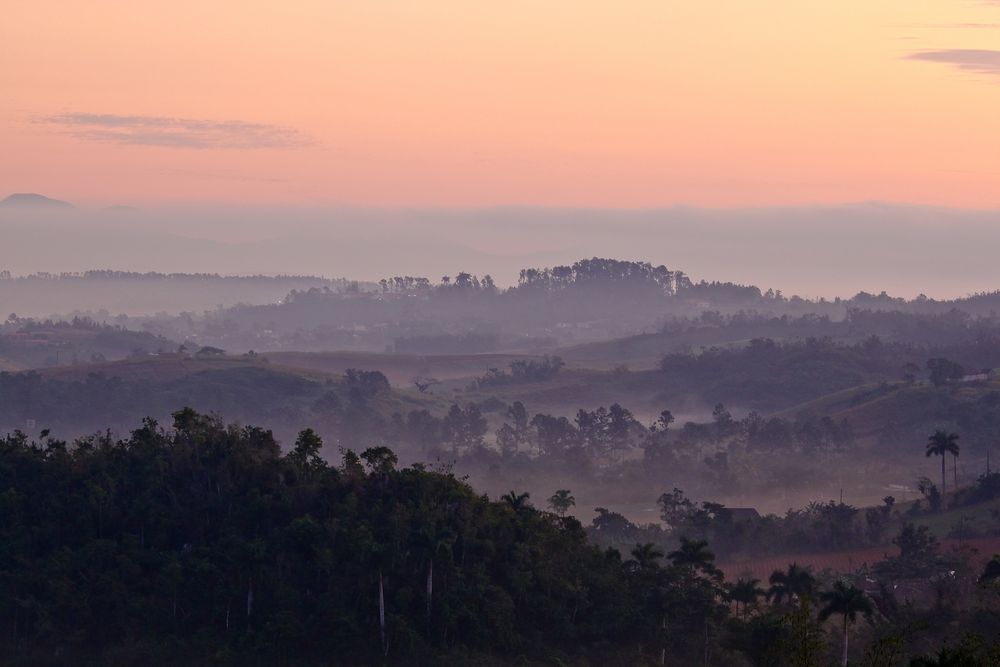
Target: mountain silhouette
{"type": "Point", "coordinates": [32, 200]}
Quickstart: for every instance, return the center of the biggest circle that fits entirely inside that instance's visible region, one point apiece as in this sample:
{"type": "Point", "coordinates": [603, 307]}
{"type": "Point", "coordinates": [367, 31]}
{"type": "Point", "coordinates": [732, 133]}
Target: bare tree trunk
{"type": "Point", "coordinates": [843, 661]}
{"type": "Point", "coordinates": [954, 470]}
{"type": "Point", "coordinates": [706, 643]}
{"type": "Point", "coordinates": [430, 590]}
{"type": "Point", "coordinates": [249, 598]}
{"type": "Point", "coordinates": [381, 614]}
{"type": "Point", "coordinates": [943, 475]}
{"type": "Point", "coordinates": [663, 640]}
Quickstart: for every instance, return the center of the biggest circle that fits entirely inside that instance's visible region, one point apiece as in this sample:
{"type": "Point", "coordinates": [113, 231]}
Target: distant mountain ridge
{"type": "Point", "coordinates": [33, 200]}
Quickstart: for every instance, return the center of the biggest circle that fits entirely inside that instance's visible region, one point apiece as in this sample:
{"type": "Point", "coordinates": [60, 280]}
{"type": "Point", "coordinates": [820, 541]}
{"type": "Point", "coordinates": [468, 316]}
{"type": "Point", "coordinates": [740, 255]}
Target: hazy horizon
{"type": "Point", "coordinates": [817, 251]}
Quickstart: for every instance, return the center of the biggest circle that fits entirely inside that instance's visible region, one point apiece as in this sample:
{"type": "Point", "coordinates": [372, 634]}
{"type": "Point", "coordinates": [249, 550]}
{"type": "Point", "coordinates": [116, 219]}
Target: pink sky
{"type": "Point", "coordinates": [457, 103]}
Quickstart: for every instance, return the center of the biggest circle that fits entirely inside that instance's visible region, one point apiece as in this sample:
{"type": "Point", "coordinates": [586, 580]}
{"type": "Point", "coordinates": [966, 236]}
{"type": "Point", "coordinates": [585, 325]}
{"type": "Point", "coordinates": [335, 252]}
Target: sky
{"type": "Point", "coordinates": [532, 103]}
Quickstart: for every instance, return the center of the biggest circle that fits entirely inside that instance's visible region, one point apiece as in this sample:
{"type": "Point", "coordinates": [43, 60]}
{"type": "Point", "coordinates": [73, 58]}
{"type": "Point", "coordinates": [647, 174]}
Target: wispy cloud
{"type": "Point", "coordinates": [176, 132]}
{"type": "Point", "coordinates": [948, 26]}
{"type": "Point", "coordinates": [983, 61]}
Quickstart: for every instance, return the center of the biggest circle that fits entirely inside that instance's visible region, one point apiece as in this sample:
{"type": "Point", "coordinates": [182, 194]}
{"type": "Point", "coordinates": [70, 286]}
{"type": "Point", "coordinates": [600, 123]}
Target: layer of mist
{"type": "Point", "coordinates": [818, 251]}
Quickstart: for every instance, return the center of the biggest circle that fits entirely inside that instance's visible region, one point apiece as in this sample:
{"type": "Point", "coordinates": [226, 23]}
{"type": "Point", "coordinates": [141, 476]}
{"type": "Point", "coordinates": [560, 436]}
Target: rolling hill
{"type": "Point", "coordinates": [87, 398]}
{"type": "Point", "coordinates": [905, 413]}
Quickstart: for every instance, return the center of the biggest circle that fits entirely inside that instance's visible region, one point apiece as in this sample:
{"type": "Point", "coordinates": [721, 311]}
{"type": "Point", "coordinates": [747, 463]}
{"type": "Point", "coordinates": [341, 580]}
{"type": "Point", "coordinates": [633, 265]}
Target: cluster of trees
{"type": "Point", "coordinates": [818, 527]}
{"type": "Point", "coordinates": [596, 271]}
{"type": "Point", "coordinates": [521, 370]}
{"type": "Point", "coordinates": [803, 433]}
{"type": "Point", "coordinates": [462, 282]}
{"type": "Point", "coordinates": [940, 371]}
{"type": "Point", "coordinates": [595, 437]}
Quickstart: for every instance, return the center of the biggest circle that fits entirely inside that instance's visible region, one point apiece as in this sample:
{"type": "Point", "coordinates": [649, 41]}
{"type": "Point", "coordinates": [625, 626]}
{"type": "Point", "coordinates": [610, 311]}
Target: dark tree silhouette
{"type": "Point", "coordinates": [561, 501]}
{"type": "Point", "coordinates": [746, 592]}
{"type": "Point", "coordinates": [941, 443]}
{"type": "Point", "coordinates": [849, 601]}
{"type": "Point", "coordinates": [794, 584]}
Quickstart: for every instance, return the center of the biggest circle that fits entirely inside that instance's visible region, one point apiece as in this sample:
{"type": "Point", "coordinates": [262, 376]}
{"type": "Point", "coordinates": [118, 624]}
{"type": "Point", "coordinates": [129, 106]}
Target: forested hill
{"type": "Point", "coordinates": [591, 300]}
{"type": "Point", "coordinates": [350, 408]}
{"type": "Point", "coordinates": [27, 343]}
{"type": "Point", "coordinates": [203, 544]}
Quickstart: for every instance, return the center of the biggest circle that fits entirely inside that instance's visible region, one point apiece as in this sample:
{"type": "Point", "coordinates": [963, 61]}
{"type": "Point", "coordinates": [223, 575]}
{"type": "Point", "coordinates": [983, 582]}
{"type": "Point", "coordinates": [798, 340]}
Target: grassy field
{"type": "Point", "coordinates": [644, 351]}
{"type": "Point", "coordinates": [400, 369]}
{"type": "Point", "coordinates": [975, 519]}
{"type": "Point", "coordinates": [154, 368]}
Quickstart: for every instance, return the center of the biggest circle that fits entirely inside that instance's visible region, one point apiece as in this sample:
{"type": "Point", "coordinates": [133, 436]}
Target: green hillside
{"type": "Point", "coordinates": [892, 413]}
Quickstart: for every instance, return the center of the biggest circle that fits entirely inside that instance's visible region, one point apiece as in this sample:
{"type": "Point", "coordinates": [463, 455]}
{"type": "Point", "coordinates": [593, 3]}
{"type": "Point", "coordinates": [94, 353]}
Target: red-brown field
{"type": "Point", "coordinates": [845, 561]}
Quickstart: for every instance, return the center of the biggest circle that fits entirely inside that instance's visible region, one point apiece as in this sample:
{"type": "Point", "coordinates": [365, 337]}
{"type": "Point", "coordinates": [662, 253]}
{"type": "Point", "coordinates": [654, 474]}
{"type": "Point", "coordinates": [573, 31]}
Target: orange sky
{"type": "Point", "coordinates": [467, 103]}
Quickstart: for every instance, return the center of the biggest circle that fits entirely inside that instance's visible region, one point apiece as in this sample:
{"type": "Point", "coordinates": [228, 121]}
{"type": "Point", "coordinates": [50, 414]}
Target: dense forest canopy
{"type": "Point", "coordinates": [204, 540]}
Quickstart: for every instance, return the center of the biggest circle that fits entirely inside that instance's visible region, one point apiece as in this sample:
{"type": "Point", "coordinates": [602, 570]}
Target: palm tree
{"type": "Point", "coordinates": [646, 556]}
{"type": "Point", "coordinates": [561, 501]}
{"type": "Point", "coordinates": [695, 556]}
{"type": "Point", "coordinates": [746, 591]}
{"type": "Point", "coordinates": [940, 444]}
{"type": "Point", "coordinates": [847, 601]}
{"type": "Point", "coordinates": [795, 584]}
{"type": "Point", "coordinates": [517, 501]}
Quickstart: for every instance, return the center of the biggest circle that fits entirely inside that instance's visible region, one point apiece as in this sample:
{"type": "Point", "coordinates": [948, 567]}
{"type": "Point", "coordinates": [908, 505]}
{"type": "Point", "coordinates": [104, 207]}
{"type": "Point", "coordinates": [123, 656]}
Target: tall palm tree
{"type": "Point", "coordinates": [849, 601]}
{"type": "Point", "coordinates": [940, 444]}
{"type": "Point", "coordinates": [646, 556]}
{"type": "Point", "coordinates": [746, 591]}
{"type": "Point", "coordinates": [797, 583]}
